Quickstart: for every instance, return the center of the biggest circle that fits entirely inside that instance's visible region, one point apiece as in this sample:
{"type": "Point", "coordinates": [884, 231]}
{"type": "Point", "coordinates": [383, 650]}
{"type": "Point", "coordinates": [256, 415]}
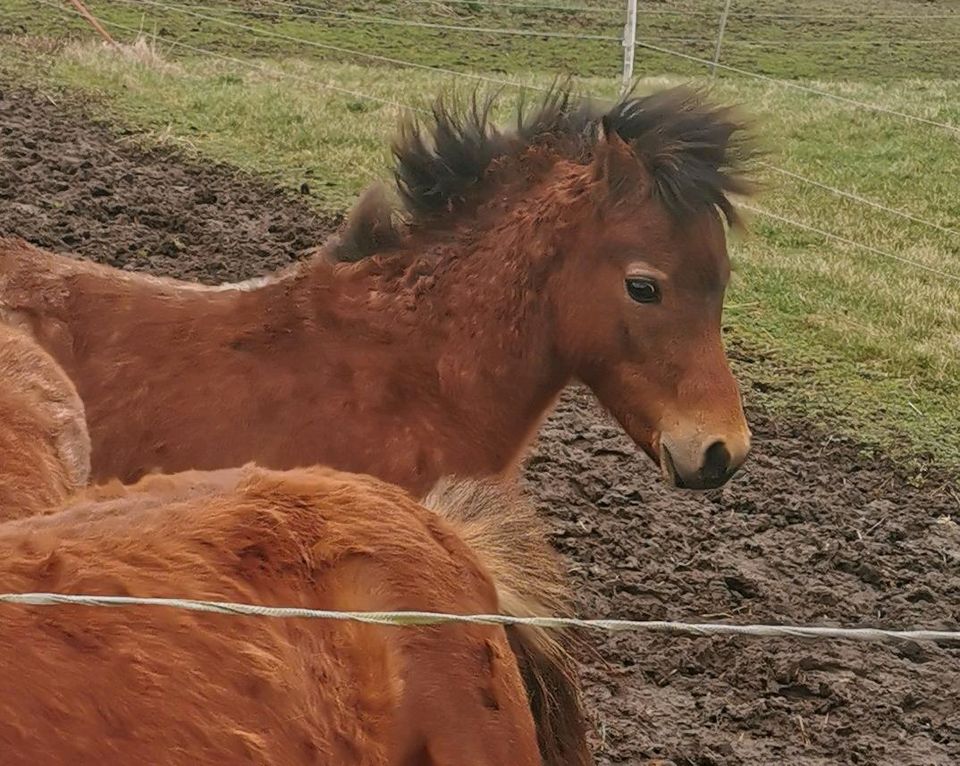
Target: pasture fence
{"type": "Point", "coordinates": [629, 45]}
{"type": "Point", "coordinates": [427, 619]}
{"type": "Point", "coordinates": [724, 15]}
{"type": "Point", "coordinates": [852, 242]}
{"type": "Point", "coordinates": [858, 198]}
{"type": "Point", "coordinates": [304, 12]}
{"type": "Point", "coordinates": [634, 43]}
{"type": "Point", "coordinates": [654, 11]}
{"type": "Point", "coordinates": [259, 30]}
{"type": "Point", "coordinates": [273, 71]}
{"type": "Point", "coordinates": [802, 88]}
{"type": "Point", "coordinates": [321, 46]}
{"type": "Point", "coordinates": [510, 31]}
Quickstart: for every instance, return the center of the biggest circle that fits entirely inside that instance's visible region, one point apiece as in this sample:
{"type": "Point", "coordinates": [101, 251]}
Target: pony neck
{"type": "Point", "coordinates": [459, 321]}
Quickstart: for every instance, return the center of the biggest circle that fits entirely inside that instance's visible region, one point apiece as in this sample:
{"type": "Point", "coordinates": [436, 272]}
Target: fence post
{"type": "Point", "coordinates": [629, 45]}
{"type": "Point", "coordinates": [720, 31]}
{"type": "Point", "coordinates": [92, 21]}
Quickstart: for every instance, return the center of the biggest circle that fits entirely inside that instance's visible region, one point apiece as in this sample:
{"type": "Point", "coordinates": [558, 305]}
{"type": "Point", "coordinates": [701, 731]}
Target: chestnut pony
{"type": "Point", "coordinates": [153, 686]}
{"type": "Point", "coordinates": [582, 244]}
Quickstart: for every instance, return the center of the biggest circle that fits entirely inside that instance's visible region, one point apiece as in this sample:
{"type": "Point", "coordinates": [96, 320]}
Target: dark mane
{"type": "Point", "coordinates": [697, 154]}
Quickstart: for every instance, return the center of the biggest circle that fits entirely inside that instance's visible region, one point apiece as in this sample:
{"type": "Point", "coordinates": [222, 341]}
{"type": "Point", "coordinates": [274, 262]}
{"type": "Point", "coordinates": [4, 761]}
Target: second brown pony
{"type": "Point", "coordinates": [584, 244]}
{"type": "Point", "coordinates": [84, 686]}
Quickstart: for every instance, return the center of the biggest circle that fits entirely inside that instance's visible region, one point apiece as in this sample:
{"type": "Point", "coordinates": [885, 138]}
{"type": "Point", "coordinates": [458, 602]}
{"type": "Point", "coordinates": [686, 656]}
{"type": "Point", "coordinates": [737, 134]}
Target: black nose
{"type": "Point", "coordinates": [716, 465]}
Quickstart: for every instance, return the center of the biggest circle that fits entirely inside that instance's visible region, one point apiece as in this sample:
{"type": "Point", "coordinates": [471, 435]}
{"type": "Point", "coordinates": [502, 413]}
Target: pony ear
{"type": "Point", "coordinates": [616, 164]}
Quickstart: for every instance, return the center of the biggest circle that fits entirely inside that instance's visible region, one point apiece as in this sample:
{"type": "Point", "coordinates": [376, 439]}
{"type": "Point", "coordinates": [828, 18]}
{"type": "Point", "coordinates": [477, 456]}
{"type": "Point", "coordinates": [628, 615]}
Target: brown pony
{"type": "Point", "coordinates": [584, 244]}
{"type": "Point", "coordinates": [147, 685]}
{"type": "Point", "coordinates": [44, 445]}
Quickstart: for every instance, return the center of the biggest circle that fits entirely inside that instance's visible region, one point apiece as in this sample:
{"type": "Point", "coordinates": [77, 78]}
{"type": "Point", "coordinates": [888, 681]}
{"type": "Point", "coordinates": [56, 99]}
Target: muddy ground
{"type": "Point", "coordinates": [809, 533]}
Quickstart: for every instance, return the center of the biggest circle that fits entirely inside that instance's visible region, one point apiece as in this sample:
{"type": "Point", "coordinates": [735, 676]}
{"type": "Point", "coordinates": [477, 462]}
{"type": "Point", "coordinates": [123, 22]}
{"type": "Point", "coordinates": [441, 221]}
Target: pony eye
{"type": "Point", "coordinates": [643, 290]}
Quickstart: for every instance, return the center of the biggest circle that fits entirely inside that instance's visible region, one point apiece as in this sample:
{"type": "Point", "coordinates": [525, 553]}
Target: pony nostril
{"type": "Point", "coordinates": [716, 462]}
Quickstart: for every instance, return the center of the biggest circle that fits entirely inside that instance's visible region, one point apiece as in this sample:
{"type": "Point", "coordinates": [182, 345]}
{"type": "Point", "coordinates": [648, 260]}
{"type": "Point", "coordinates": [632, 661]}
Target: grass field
{"type": "Point", "coordinates": [825, 331]}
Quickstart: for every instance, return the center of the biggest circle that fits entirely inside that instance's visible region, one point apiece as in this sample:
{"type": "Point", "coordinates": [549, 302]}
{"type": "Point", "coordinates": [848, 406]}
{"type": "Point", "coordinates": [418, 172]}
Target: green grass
{"type": "Point", "coordinates": [867, 346]}
{"type": "Point", "coordinates": [879, 44]}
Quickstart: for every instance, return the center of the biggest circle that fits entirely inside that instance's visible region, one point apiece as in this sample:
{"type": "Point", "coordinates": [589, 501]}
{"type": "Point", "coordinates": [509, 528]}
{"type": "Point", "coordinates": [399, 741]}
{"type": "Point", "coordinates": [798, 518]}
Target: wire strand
{"type": "Point", "coordinates": [852, 242]}
{"type": "Point", "coordinates": [337, 48]}
{"type": "Point", "coordinates": [655, 11]}
{"type": "Point", "coordinates": [859, 17]}
{"type": "Point", "coordinates": [256, 65]}
{"type": "Point", "coordinates": [641, 44]}
{"type": "Point", "coordinates": [800, 87]}
{"type": "Point", "coordinates": [319, 13]}
{"type": "Point", "coordinates": [473, 4]}
{"type": "Point", "coordinates": [858, 198]}
{"type": "Point", "coordinates": [836, 42]}
{"type": "Point", "coordinates": [363, 19]}
{"type": "Point", "coordinates": [423, 619]}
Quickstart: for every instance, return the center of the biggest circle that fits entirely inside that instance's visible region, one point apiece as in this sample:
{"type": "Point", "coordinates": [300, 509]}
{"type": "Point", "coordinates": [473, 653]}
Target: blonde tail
{"type": "Point", "coordinates": [510, 539]}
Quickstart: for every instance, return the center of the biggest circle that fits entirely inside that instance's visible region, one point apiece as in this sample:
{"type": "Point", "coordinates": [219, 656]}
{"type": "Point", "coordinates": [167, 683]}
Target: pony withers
{"type": "Point", "coordinates": [431, 338]}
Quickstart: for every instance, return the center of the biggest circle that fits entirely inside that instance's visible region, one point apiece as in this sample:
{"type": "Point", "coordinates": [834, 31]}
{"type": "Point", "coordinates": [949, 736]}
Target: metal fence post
{"type": "Point", "coordinates": [629, 44]}
{"type": "Point", "coordinates": [720, 31]}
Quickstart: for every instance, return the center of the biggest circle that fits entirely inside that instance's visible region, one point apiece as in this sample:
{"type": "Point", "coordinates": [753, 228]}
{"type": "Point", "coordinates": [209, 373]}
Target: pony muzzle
{"type": "Point", "coordinates": [703, 464]}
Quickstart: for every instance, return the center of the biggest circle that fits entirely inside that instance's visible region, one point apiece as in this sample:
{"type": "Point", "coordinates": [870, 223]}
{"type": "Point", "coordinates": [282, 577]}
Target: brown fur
{"type": "Point", "coordinates": [44, 445]}
{"type": "Point", "coordinates": [504, 530]}
{"type": "Point", "coordinates": [151, 685]}
{"type": "Point", "coordinates": [371, 228]}
{"type": "Point", "coordinates": [441, 354]}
